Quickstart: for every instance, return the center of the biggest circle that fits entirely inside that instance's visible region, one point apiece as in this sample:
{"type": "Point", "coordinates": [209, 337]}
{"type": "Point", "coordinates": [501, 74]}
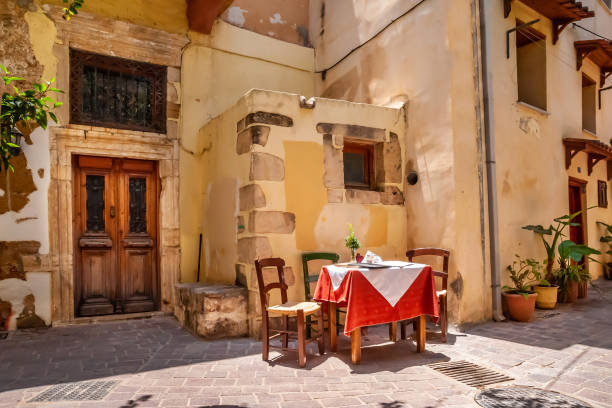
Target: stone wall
{"type": "Point", "coordinates": [275, 188]}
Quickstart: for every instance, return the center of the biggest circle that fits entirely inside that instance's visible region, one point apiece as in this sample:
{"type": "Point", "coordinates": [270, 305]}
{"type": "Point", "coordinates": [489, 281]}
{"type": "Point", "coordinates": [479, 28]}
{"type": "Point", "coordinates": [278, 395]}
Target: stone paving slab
{"type": "Point", "coordinates": [158, 364]}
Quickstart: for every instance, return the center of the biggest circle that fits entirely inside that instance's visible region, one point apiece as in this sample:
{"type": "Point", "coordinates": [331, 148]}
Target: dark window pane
{"type": "Point", "coordinates": [354, 168]}
{"type": "Point", "coordinates": [94, 186]}
{"type": "Point", "coordinates": [138, 205]}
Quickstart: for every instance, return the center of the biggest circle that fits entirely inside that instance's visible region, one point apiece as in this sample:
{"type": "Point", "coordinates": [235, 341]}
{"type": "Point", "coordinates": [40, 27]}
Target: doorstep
{"type": "Point", "coordinates": [109, 318]}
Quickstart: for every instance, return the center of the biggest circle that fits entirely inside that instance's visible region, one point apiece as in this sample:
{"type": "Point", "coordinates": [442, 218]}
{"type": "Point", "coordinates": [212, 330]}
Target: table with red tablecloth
{"type": "Point", "coordinates": [373, 297]}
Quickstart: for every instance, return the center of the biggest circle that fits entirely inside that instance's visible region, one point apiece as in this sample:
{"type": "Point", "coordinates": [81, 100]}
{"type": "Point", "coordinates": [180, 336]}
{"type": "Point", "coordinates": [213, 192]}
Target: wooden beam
{"type": "Point", "coordinates": [609, 169]}
{"type": "Point", "coordinates": [559, 25]}
{"type": "Point", "coordinates": [592, 160]}
{"type": "Point", "coordinates": [507, 8]}
{"type": "Point", "coordinates": [201, 14]}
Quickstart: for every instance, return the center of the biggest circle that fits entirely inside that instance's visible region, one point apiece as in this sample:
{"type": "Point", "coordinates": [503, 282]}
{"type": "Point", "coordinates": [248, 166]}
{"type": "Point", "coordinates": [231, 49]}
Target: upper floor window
{"type": "Point", "coordinates": [117, 93]}
{"type": "Point", "coordinates": [602, 194]}
{"type": "Point", "coordinates": [589, 95]}
{"type": "Point", "coordinates": [358, 165]}
{"type": "Point", "coordinates": [608, 3]}
{"type": "Point", "coordinates": [531, 66]}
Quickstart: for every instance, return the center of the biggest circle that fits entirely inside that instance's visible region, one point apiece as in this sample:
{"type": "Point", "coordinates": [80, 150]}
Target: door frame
{"type": "Point", "coordinates": [78, 218]}
{"type": "Point", "coordinates": [582, 184]}
{"type": "Point", "coordinates": [66, 142]}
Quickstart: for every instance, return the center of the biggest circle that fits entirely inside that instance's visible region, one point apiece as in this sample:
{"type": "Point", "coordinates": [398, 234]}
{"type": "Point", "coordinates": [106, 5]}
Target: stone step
{"type": "Point", "coordinates": [212, 311]}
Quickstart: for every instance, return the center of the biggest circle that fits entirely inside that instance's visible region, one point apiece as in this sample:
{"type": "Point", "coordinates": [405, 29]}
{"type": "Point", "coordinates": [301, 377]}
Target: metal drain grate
{"type": "Point", "coordinates": [470, 373]}
{"type": "Point", "coordinates": [78, 391]}
{"type": "Point", "coordinates": [526, 397]}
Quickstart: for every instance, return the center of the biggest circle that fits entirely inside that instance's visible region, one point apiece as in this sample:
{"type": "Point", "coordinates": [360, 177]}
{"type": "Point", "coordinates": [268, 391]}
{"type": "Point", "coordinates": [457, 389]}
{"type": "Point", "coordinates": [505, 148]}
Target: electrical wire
{"type": "Point", "coordinates": [537, 41]}
{"type": "Point", "coordinates": [324, 71]}
{"type": "Point", "coordinates": [592, 32]}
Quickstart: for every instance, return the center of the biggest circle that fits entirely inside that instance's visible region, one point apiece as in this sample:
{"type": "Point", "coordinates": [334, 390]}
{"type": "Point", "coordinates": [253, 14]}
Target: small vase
{"type": "Point", "coordinates": [352, 256]}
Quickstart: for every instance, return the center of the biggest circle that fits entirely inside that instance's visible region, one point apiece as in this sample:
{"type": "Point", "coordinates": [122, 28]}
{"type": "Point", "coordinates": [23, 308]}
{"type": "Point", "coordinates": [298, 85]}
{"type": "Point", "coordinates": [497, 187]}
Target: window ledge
{"type": "Point", "coordinates": [525, 105]}
{"type": "Point", "coordinates": [589, 133]}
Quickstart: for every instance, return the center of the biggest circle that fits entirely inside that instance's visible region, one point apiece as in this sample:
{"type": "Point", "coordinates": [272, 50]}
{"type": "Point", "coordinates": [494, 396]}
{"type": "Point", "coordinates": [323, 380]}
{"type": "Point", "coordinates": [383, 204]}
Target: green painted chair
{"type": "Point", "coordinates": [308, 279]}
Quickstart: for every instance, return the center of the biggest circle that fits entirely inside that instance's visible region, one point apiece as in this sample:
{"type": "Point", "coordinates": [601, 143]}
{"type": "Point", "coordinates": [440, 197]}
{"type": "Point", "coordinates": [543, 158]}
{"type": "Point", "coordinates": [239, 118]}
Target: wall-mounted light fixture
{"type": "Point", "coordinates": [412, 178]}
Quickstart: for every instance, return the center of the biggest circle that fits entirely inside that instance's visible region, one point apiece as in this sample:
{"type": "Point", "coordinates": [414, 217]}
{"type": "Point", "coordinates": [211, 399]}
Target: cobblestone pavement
{"type": "Point", "coordinates": [158, 364]}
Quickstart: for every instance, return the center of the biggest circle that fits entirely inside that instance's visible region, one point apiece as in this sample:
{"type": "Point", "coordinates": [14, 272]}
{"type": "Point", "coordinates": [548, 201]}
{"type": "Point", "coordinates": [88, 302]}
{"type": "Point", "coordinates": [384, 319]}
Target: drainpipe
{"type": "Point", "coordinates": [486, 17]}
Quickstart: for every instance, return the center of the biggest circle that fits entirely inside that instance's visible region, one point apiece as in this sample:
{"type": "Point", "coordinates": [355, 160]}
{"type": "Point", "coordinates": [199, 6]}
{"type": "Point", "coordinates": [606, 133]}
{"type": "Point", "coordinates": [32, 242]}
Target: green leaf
{"type": "Point", "coordinates": [3, 68]}
{"type": "Point", "coordinates": [52, 115]}
{"type": "Point", "coordinates": [538, 229]}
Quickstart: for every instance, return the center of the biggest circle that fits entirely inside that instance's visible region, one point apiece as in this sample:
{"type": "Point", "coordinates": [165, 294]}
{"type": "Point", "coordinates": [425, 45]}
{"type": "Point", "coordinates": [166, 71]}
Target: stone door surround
{"type": "Point", "coordinates": [65, 142]}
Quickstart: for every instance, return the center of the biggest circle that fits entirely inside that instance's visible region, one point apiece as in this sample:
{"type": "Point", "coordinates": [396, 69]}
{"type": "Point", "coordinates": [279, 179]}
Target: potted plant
{"type": "Point", "coordinates": [556, 232]}
{"type": "Point", "coordinates": [547, 293]}
{"type": "Point", "coordinates": [607, 239]}
{"type": "Point", "coordinates": [351, 242]}
{"type": "Point", "coordinates": [519, 299]}
{"type": "Point", "coordinates": [583, 283]}
{"type": "Point", "coordinates": [570, 273]}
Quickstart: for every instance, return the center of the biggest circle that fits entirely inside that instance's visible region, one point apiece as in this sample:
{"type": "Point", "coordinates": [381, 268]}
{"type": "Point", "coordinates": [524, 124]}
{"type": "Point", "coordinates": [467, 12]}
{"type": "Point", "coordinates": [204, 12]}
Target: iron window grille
{"type": "Point", "coordinates": [117, 93]}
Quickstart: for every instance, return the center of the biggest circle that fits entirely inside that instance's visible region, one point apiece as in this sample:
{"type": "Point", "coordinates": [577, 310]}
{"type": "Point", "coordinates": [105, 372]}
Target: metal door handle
{"type": "Point", "coordinates": [112, 211]}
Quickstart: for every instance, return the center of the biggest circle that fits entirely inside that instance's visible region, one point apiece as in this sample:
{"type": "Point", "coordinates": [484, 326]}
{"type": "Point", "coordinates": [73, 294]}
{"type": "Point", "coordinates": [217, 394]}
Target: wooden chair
{"type": "Point", "coordinates": [308, 279]}
{"type": "Point", "coordinates": [286, 310]}
{"type": "Point", "coordinates": [442, 298]}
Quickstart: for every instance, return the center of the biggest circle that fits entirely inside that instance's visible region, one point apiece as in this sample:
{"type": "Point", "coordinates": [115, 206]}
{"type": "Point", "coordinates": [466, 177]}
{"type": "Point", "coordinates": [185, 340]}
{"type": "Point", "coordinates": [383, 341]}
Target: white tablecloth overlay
{"type": "Point", "coordinates": [391, 282]}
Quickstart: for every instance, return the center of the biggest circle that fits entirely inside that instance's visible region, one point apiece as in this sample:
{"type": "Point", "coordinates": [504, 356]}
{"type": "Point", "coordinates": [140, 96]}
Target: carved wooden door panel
{"type": "Point", "coordinates": [138, 227]}
{"type": "Point", "coordinates": [115, 227]}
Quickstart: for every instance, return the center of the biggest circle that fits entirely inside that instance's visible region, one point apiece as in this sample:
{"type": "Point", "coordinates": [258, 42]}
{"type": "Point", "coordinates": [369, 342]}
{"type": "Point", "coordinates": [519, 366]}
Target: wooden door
{"type": "Point", "coordinates": [115, 227]}
{"type": "Point", "coordinates": [577, 202]}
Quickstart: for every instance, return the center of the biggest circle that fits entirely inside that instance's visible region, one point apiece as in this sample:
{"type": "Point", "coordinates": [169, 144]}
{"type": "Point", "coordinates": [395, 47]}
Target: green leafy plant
{"type": "Point", "coordinates": [607, 239]}
{"type": "Point", "coordinates": [22, 109]}
{"type": "Point", "coordinates": [351, 242]}
{"type": "Point", "coordinates": [570, 270]}
{"type": "Point", "coordinates": [524, 273]}
{"type": "Point", "coordinates": [556, 233]}
{"type": "Point", "coordinates": [72, 9]}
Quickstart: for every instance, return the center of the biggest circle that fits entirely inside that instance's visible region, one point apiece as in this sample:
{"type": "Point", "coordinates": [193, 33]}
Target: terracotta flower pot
{"type": "Point", "coordinates": [582, 290]}
{"type": "Point", "coordinates": [570, 295]}
{"type": "Point", "coordinates": [519, 307]}
{"type": "Point", "coordinates": [547, 296]}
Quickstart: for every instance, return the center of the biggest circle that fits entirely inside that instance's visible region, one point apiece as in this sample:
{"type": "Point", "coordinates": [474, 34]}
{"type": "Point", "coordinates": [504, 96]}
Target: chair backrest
{"type": "Point", "coordinates": [279, 264]}
{"type": "Point", "coordinates": [313, 256]}
{"type": "Point", "coordinates": [433, 252]}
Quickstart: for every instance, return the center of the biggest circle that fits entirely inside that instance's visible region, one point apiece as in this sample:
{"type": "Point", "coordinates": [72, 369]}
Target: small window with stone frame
{"type": "Point", "coordinates": [358, 165]}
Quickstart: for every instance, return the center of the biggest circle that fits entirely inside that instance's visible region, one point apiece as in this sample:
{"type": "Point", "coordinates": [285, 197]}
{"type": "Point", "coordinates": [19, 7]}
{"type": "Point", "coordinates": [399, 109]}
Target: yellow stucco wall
{"type": "Point", "coordinates": [432, 70]}
{"type": "Point", "coordinates": [319, 225]}
{"type": "Point", "coordinates": [167, 15]}
{"type": "Point", "coordinates": [216, 71]}
{"type": "Point", "coordinates": [532, 180]}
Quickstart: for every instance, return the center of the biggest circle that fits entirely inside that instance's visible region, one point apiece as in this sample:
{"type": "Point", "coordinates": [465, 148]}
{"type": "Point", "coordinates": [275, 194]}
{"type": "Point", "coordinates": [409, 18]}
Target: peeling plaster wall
{"type": "Point", "coordinates": [292, 196]}
{"type": "Point", "coordinates": [285, 20]}
{"type": "Point", "coordinates": [25, 282]}
{"type": "Point", "coordinates": [425, 59]}
{"type": "Point", "coordinates": [532, 181]}
{"type": "Point", "coordinates": [216, 71]}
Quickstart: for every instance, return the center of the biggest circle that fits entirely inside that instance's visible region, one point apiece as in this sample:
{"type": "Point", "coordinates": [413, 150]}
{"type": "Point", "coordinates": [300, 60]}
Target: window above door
{"type": "Point", "coordinates": [117, 93]}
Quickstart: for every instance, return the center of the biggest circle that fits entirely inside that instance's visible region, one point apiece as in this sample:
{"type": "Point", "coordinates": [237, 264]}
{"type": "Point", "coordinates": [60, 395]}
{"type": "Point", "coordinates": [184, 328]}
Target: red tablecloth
{"type": "Point", "coordinates": [365, 306]}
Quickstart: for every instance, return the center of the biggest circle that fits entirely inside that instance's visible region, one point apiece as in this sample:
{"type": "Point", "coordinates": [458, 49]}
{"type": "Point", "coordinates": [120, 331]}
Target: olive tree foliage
{"type": "Point", "coordinates": [27, 108]}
